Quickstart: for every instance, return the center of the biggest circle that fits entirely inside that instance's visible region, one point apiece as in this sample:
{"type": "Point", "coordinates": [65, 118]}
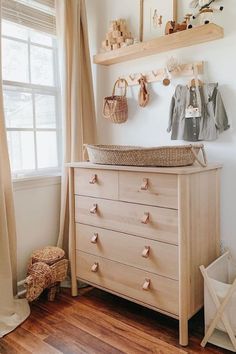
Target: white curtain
{"type": "Point", "coordinates": [77, 95]}
{"type": "Point", "coordinates": [12, 311]}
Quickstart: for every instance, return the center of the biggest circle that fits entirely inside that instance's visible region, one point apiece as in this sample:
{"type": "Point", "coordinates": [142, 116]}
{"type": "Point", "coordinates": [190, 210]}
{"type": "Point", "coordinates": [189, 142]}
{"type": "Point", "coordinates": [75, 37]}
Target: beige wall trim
{"type": "Point", "coordinates": [35, 182]}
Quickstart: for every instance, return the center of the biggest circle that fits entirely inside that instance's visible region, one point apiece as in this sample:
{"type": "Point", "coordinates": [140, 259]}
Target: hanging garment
{"type": "Point", "coordinates": [212, 120]}
{"type": "Point", "coordinates": [144, 96]}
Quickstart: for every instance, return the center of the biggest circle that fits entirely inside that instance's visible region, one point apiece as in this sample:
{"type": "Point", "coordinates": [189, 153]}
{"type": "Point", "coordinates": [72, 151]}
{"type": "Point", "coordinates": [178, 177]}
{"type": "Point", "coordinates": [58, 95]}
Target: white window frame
{"type": "Point", "coordinates": [44, 90]}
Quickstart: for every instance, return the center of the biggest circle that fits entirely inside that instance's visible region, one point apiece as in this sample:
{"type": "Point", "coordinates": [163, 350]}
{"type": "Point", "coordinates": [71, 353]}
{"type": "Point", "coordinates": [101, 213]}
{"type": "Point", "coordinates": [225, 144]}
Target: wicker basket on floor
{"type": "Point", "coordinates": [47, 268]}
{"type": "Point", "coordinates": [163, 156]}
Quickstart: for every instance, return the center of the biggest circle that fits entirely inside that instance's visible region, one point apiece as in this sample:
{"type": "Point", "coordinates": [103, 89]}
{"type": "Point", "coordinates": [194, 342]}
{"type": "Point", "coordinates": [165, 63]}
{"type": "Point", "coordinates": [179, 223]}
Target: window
{"type": "Point", "coordinates": [31, 95]}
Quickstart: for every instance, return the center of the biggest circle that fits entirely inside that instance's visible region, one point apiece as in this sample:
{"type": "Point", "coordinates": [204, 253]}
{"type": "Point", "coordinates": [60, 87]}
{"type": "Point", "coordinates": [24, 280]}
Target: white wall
{"type": "Point", "coordinates": [37, 204]}
{"type": "Point", "coordinates": [147, 126]}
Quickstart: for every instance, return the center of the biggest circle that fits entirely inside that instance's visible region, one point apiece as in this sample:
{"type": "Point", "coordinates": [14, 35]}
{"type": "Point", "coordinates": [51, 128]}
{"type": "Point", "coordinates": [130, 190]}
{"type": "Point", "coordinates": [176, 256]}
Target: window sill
{"type": "Point", "coordinates": [35, 182]}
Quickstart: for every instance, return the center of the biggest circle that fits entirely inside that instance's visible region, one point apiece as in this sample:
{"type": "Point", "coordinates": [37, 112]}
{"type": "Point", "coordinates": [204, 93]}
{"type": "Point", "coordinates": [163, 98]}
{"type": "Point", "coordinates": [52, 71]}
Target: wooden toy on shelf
{"type": "Point", "coordinates": [118, 36]}
{"type": "Point", "coordinates": [173, 27]}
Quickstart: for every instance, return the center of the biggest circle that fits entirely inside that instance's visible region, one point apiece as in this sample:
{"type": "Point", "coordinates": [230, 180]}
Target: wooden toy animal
{"type": "Point", "coordinates": [204, 12]}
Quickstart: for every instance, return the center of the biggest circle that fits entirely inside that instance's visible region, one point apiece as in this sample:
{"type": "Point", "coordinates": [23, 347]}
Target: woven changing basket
{"type": "Point", "coordinates": [163, 156]}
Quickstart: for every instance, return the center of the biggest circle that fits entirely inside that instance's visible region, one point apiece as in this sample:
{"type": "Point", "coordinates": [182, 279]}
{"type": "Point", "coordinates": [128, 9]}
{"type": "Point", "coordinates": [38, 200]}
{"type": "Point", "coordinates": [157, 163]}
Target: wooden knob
{"type": "Point", "coordinates": [94, 239]}
{"type": "Point", "coordinates": [94, 268]}
{"type": "Point", "coordinates": [94, 209]}
{"type": "Point", "coordinates": [144, 185]}
{"type": "Point", "coordinates": [145, 218]}
{"type": "Point", "coordinates": [146, 284]}
{"type": "Point", "coordinates": [93, 179]}
{"type": "Point", "coordinates": [146, 251]}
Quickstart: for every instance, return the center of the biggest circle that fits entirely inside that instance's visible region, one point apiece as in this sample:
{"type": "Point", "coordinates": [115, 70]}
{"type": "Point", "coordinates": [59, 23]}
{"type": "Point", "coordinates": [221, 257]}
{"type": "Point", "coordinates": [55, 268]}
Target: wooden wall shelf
{"type": "Point", "coordinates": [182, 39]}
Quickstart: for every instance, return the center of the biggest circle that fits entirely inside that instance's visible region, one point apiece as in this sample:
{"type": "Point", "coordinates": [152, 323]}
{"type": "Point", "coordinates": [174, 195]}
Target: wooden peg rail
{"type": "Point", "coordinates": [160, 74]}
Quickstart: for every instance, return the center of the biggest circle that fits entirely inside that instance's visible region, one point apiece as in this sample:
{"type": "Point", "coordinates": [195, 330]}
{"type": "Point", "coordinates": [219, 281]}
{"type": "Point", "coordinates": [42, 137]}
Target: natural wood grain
{"type": "Point", "coordinates": [97, 318]}
{"type": "Point", "coordinates": [128, 281]}
{"type": "Point", "coordinates": [162, 170]}
{"type": "Point", "coordinates": [193, 229]}
{"type": "Point", "coordinates": [204, 232]}
{"type": "Point", "coordinates": [158, 45]}
{"type": "Point", "coordinates": [28, 341]}
{"type": "Point", "coordinates": [184, 258]}
{"type": "Point", "coordinates": [127, 217]}
{"type": "Point", "coordinates": [128, 249]}
{"type": "Point", "coordinates": [105, 186]}
{"type": "Point", "coordinates": [72, 233]}
{"type": "Point", "coordinates": [161, 190]}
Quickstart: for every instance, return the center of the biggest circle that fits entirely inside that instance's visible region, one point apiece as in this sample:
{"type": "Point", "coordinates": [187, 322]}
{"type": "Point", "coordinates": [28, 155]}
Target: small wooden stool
{"type": "Point", "coordinates": [47, 268]}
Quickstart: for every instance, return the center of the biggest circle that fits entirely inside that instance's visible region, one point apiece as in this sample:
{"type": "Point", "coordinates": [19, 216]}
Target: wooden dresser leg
{"type": "Point", "coordinates": [183, 332]}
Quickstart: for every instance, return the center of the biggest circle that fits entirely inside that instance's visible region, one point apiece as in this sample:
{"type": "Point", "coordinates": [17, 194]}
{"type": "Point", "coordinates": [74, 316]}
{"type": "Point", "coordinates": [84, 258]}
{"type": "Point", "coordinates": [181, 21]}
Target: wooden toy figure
{"type": "Point", "coordinates": [204, 11]}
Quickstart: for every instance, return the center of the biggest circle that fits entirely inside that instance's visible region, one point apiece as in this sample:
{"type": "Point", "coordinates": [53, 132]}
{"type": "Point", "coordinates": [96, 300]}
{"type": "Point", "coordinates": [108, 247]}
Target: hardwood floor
{"type": "Point", "coordinates": [97, 322]}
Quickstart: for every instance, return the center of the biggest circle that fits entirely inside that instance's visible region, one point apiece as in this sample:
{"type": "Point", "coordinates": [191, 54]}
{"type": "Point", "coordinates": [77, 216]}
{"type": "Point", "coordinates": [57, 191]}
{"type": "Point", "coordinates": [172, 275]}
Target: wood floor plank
{"type": "Point", "coordinates": [38, 328]}
{"type": "Point", "coordinates": [31, 343]}
{"type": "Point", "coordinates": [8, 346]}
{"type": "Point", "coordinates": [118, 333]}
{"type": "Point", "coordinates": [96, 322]}
{"type": "Point", "coordinates": [148, 321]}
{"type": "Point", "coordinates": [89, 341]}
{"type": "Point", "coordinates": [67, 346]}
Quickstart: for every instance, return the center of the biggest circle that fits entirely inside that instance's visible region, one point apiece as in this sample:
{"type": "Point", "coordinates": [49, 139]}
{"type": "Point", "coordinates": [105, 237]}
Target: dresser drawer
{"type": "Point", "coordinates": [149, 188]}
{"type": "Point", "coordinates": [153, 256]}
{"type": "Point", "coordinates": [146, 221]}
{"type": "Point", "coordinates": [162, 292]}
{"type": "Point", "coordinates": [96, 183]}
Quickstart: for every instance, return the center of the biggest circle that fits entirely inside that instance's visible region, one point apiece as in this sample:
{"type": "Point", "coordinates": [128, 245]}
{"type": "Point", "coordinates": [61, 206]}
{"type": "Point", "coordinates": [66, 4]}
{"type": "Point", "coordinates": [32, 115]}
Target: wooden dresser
{"type": "Point", "coordinates": [142, 233]}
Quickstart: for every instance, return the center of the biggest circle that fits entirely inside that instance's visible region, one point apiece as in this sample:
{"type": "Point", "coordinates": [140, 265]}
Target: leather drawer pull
{"type": "Point", "coordinates": [94, 268]}
{"type": "Point", "coordinates": [94, 209]}
{"type": "Point", "coordinates": [144, 186]}
{"type": "Point", "coordinates": [93, 179]}
{"type": "Point", "coordinates": [145, 218]}
{"type": "Point", "coordinates": [146, 252]}
{"type": "Point", "coordinates": [146, 284]}
{"type": "Point", "coordinates": [94, 239]}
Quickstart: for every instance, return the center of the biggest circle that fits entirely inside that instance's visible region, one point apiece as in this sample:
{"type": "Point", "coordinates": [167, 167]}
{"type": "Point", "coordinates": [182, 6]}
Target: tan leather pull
{"type": "Point", "coordinates": [146, 284]}
{"type": "Point", "coordinates": [94, 268]}
{"type": "Point", "coordinates": [144, 96]}
{"type": "Point", "coordinates": [94, 209]}
{"type": "Point", "coordinates": [93, 179]}
{"type": "Point", "coordinates": [146, 252]}
{"type": "Point", "coordinates": [145, 218]}
{"type": "Point", "coordinates": [94, 238]}
{"type": "Point", "coordinates": [144, 186]}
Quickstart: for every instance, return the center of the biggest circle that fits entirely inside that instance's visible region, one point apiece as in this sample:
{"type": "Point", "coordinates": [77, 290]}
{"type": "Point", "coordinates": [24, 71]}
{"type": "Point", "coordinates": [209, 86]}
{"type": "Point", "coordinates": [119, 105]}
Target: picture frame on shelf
{"type": "Point", "coordinates": [154, 14]}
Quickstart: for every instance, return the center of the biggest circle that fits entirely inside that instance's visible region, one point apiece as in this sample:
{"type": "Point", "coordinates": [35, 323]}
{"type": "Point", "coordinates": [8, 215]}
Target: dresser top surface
{"type": "Point", "coordinates": [166, 170]}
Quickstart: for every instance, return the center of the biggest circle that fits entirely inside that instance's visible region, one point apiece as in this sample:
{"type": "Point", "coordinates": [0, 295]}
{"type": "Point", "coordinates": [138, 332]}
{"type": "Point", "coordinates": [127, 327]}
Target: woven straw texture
{"type": "Point", "coordinates": [48, 255]}
{"type": "Point", "coordinates": [166, 156]}
{"type": "Point", "coordinates": [47, 267]}
{"type": "Point", "coordinates": [115, 108]}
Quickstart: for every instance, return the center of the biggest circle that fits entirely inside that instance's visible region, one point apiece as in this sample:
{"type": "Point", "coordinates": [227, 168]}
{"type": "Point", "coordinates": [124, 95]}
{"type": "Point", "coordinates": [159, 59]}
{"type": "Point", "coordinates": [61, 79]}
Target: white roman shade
{"type": "Point", "coordinates": [35, 14]}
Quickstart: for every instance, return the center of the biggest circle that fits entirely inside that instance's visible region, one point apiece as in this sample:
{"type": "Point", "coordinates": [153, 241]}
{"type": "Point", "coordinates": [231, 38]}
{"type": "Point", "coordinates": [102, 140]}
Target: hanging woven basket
{"type": "Point", "coordinates": [115, 108]}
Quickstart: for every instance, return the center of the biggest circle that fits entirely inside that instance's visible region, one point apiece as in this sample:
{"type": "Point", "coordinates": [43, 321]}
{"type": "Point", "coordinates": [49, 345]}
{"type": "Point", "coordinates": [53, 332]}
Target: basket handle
{"type": "Point", "coordinates": [117, 83]}
{"type": "Point", "coordinates": [201, 163]}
